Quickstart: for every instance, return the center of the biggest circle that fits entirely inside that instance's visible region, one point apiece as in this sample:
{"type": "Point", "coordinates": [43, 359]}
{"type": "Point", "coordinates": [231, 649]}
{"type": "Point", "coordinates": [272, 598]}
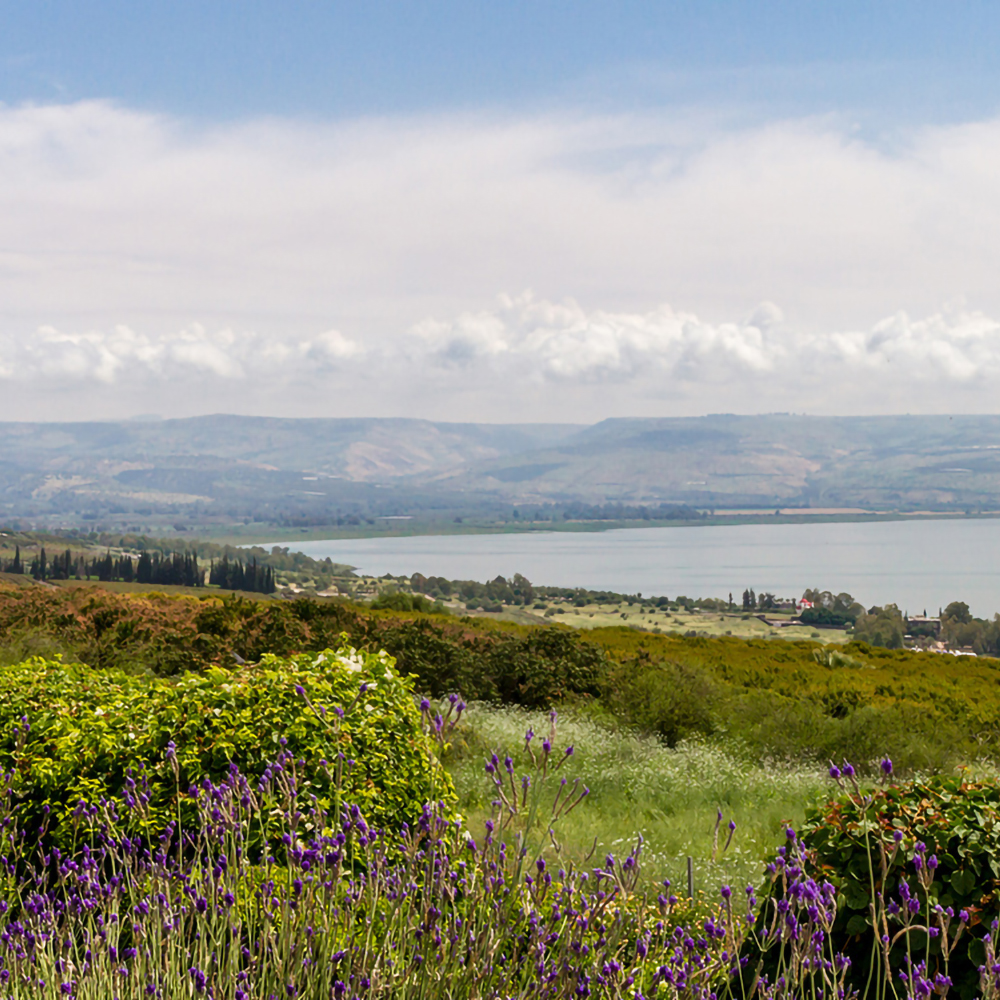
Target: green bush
{"type": "Point", "coordinates": [399, 601]}
{"type": "Point", "coordinates": [671, 700]}
{"type": "Point", "coordinates": [958, 822]}
{"type": "Point", "coordinates": [95, 732]}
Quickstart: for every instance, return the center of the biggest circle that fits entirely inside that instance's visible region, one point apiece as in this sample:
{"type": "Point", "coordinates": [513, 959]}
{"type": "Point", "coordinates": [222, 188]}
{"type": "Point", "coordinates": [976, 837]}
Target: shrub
{"type": "Point", "coordinates": [671, 700]}
{"type": "Point", "coordinates": [939, 837]}
{"type": "Point", "coordinates": [104, 734]}
{"type": "Point", "coordinates": [399, 601]}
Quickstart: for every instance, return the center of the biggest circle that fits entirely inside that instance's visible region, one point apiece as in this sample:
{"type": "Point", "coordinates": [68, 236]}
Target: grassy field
{"type": "Point", "coordinates": [649, 618]}
{"type": "Point", "coordinates": [640, 788]}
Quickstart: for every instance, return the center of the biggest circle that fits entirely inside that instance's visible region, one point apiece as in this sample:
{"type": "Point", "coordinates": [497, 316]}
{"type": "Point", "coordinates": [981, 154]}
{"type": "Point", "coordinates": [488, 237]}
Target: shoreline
{"type": "Point", "coordinates": [321, 533]}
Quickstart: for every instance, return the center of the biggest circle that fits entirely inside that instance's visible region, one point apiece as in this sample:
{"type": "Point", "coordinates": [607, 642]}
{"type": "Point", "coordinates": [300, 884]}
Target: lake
{"type": "Point", "coordinates": [920, 564]}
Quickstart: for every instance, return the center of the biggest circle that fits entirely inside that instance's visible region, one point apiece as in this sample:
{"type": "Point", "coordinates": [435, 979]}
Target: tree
{"type": "Point", "coordinates": [958, 611]}
{"type": "Point", "coordinates": [881, 627]}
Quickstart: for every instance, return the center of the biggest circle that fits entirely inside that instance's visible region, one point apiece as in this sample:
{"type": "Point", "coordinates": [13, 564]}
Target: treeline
{"type": "Point", "coordinates": [179, 569]}
{"type": "Point", "coordinates": [241, 563]}
{"type": "Point", "coordinates": [232, 574]}
{"type": "Point", "coordinates": [516, 591]}
{"type": "Point", "coordinates": [578, 511]}
{"type": "Point", "coordinates": [888, 627]}
{"type": "Point", "coordinates": [521, 591]}
{"type": "Point", "coordinates": [155, 568]}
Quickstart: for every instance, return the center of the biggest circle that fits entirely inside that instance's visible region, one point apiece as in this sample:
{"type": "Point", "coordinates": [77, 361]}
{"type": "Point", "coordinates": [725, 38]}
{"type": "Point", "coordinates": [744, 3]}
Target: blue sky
{"type": "Point", "coordinates": [222, 60]}
{"type": "Point", "coordinates": [498, 211]}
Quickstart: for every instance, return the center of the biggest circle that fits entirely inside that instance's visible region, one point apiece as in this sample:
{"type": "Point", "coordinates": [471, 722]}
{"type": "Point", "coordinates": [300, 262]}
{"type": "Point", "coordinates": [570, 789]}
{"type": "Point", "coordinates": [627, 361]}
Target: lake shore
{"type": "Point", "coordinates": [398, 527]}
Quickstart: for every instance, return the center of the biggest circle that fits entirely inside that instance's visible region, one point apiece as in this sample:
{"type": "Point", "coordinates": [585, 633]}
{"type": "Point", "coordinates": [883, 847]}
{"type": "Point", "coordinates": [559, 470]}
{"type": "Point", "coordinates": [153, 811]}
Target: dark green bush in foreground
{"type": "Point", "coordinates": [90, 728]}
{"type": "Point", "coordinates": [941, 839]}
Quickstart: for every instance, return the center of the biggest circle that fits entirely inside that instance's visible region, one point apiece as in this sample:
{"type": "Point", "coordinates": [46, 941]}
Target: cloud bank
{"type": "Point", "coordinates": [527, 348]}
{"type": "Point", "coordinates": [333, 268]}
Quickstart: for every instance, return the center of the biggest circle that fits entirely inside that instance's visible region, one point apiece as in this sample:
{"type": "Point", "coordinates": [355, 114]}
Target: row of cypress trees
{"type": "Point", "coordinates": [180, 569]}
{"type": "Point", "coordinates": [232, 574]}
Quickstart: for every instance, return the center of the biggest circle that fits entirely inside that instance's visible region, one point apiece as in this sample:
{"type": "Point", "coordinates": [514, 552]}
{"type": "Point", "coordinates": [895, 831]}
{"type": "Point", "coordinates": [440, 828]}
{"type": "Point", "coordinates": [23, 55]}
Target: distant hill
{"type": "Point", "coordinates": [877, 463]}
{"type": "Point", "coordinates": [225, 469]}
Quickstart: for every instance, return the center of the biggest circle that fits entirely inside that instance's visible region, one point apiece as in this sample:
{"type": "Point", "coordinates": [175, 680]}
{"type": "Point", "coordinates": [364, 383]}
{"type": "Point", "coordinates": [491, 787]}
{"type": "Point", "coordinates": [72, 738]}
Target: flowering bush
{"type": "Point", "coordinates": [104, 735]}
{"type": "Point", "coordinates": [348, 911]}
{"type": "Point", "coordinates": [888, 885]}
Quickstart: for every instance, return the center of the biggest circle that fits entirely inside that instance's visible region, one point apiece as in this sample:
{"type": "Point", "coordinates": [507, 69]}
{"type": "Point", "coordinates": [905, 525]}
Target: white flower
{"type": "Point", "coordinates": [98, 711]}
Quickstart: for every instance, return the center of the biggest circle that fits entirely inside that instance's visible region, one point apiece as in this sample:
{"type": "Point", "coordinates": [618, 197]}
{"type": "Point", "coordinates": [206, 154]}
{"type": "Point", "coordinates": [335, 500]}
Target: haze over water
{"type": "Point", "coordinates": [917, 565]}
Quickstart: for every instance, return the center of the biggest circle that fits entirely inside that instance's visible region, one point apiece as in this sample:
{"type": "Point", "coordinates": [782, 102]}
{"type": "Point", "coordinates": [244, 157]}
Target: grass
{"type": "Point", "coordinates": [651, 619]}
{"type": "Point", "coordinates": [639, 787]}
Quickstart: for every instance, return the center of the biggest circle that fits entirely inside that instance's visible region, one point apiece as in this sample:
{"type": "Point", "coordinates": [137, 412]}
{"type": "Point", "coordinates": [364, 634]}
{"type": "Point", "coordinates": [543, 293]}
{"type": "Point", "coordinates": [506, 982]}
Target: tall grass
{"type": "Point", "coordinates": [671, 797]}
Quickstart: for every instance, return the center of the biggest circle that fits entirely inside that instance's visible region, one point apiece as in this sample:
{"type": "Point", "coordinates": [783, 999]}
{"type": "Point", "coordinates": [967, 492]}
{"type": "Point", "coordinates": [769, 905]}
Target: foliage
{"type": "Point", "coordinates": [841, 607]}
{"type": "Point", "coordinates": [673, 700]}
{"type": "Point", "coordinates": [935, 842]}
{"type": "Point", "coordinates": [670, 797]}
{"type": "Point", "coordinates": [104, 734]}
{"type": "Point", "coordinates": [824, 617]}
{"type": "Point", "coordinates": [786, 698]}
{"type": "Point", "coordinates": [881, 627]}
{"type": "Point", "coordinates": [233, 575]}
{"type": "Point", "coordinates": [437, 910]}
{"type": "Point", "coordinates": [399, 601]}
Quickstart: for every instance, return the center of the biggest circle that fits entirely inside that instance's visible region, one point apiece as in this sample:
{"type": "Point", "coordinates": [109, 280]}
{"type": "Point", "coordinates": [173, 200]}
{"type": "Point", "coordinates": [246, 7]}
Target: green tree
{"type": "Point", "coordinates": [881, 627]}
{"type": "Point", "coordinates": [958, 611]}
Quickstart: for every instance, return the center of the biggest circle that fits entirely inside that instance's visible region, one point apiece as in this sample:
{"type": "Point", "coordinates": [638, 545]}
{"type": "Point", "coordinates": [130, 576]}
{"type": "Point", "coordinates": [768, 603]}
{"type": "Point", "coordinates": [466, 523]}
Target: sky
{"type": "Point", "coordinates": [498, 212]}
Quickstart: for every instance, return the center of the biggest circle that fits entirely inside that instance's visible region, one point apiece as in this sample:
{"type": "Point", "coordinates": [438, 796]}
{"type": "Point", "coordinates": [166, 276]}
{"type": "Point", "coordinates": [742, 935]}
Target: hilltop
{"type": "Point", "coordinates": [213, 473]}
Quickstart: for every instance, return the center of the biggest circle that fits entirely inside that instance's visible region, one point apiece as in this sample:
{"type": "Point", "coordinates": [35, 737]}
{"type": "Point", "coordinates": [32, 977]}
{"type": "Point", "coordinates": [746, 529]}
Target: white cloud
{"type": "Point", "coordinates": [141, 251]}
{"type": "Point", "coordinates": [124, 356]}
{"type": "Point", "coordinates": [564, 342]}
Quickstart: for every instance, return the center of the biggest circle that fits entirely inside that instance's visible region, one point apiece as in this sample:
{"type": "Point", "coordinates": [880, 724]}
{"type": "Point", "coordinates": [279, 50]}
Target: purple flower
{"type": "Point", "coordinates": [886, 766]}
{"type": "Point", "coordinates": [300, 690]}
{"type": "Point", "coordinates": [425, 705]}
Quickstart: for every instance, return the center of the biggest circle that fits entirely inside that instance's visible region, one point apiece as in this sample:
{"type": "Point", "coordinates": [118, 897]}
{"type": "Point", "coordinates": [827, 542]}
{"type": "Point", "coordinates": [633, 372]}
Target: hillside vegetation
{"type": "Point", "coordinates": [793, 699]}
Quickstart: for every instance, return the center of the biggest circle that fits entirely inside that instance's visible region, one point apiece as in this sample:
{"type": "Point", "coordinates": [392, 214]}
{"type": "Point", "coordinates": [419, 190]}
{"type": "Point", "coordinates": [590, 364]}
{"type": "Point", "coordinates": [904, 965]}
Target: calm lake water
{"type": "Point", "coordinates": [915, 564]}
